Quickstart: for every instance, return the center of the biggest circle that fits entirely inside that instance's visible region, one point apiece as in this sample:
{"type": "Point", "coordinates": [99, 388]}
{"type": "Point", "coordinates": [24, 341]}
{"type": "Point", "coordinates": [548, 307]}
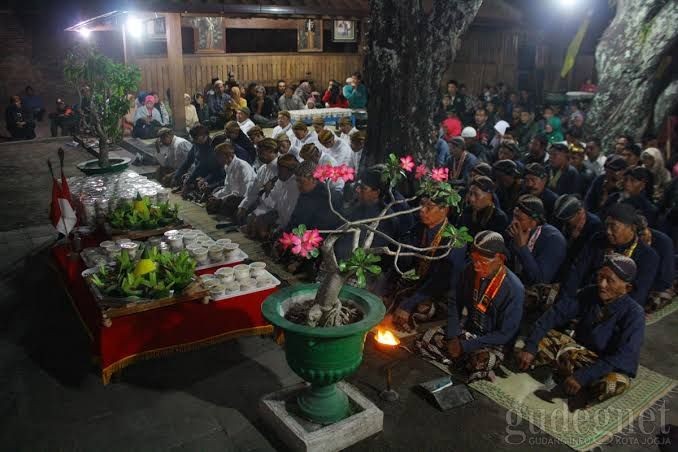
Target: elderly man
{"type": "Point", "coordinates": [267, 175]}
{"type": "Point", "coordinates": [244, 148]}
{"type": "Point", "coordinates": [481, 212]}
{"type": "Point", "coordinates": [662, 292]}
{"type": "Point", "coordinates": [284, 125]}
{"type": "Point", "coordinates": [200, 158]}
{"type": "Point", "coordinates": [219, 106]}
{"type": "Point", "coordinates": [336, 148]}
{"type": "Point", "coordinates": [492, 296]}
{"type": "Point", "coordinates": [620, 236]}
{"type": "Point", "coordinates": [289, 101]}
{"type": "Point", "coordinates": [599, 361]}
{"type": "Point", "coordinates": [461, 162]}
{"type": "Point", "coordinates": [170, 151]}
{"type": "Point", "coordinates": [563, 178]}
{"type": "Point", "coordinates": [538, 250]}
{"type": "Point", "coordinates": [606, 184]}
{"type": "Point", "coordinates": [284, 143]}
{"type": "Point", "coordinates": [242, 115]}
{"type": "Point", "coordinates": [262, 107]}
{"type": "Point", "coordinates": [577, 225]}
{"type": "Point", "coordinates": [535, 184]}
{"type": "Point", "coordinates": [474, 146]}
{"type": "Point", "coordinates": [302, 136]}
{"type": "Point", "coordinates": [239, 178]}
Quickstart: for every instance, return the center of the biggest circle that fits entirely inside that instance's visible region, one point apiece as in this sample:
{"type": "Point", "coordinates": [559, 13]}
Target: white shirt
{"type": "Point", "coordinates": [264, 174]}
{"type": "Point", "coordinates": [277, 130]}
{"type": "Point", "coordinates": [246, 125]}
{"type": "Point", "coordinates": [297, 144]}
{"type": "Point", "coordinates": [239, 177]}
{"type": "Point", "coordinates": [282, 199]}
{"type": "Point", "coordinates": [598, 164]}
{"type": "Point", "coordinates": [347, 136]}
{"type": "Point", "coordinates": [340, 151]}
{"type": "Point", "coordinates": [173, 156]}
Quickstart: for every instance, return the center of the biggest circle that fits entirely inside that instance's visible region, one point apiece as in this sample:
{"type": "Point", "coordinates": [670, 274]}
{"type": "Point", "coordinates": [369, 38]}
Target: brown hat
{"type": "Point", "coordinates": [224, 147]}
{"type": "Point", "coordinates": [288, 161]}
{"type": "Point", "coordinates": [344, 121]}
{"type": "Point", "coordinates": [306, 150]}
{"type": "Point", "coordinates": [268, 143]}
{"type": "Point", "coordinates": [231, 126]}
{"type": "Point", "coordinates": [256, 130]}
{"type": "Point", "coordinates": [285, 113]}
{"type": "Point", "coordinates": [318, 121]}
{"type": "Point", "coordinates": [358, 136]}
{"type": "Point", "coordinates": [299, 125]}
{"type": "Point", "coordinates": [325, 136]}
{"type": "Point", "coordinates": [282, 136]}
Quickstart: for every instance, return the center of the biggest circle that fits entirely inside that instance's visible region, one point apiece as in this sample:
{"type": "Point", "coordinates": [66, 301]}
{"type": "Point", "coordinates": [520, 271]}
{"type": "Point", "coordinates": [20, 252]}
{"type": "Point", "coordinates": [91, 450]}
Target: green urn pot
{"type": "Point", "coordinates": [323, 356]}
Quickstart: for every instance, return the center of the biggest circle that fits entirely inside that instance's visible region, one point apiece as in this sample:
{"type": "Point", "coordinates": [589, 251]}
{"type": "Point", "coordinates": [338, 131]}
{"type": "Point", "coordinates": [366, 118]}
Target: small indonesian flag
{"type": "Point", "coordinates": [61, 212]}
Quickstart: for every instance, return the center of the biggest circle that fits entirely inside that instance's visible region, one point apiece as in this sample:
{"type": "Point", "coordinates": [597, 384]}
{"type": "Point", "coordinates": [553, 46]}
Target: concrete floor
{"type": "Point", "coordinates": [52, 399]}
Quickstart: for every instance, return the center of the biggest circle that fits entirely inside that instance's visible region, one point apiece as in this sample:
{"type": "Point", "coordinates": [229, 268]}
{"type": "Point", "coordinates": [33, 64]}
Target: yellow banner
{"type": "Point", "coordinates": [573, 49]}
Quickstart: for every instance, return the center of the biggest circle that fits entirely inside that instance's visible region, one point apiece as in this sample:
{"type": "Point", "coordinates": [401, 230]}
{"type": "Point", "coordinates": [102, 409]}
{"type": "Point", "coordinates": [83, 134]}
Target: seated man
{"type": "Point", "coordinates": [509, 185]}
{"type": "Point", "coordinates": [461, 162]}
{"type": "Point", "coordinates": [19, 127]}
{"type": "Point", "coordinates": [284, 125]}
{"type": "Point", "coordinates": [618, 237]}
{"type": "Point", "coordinates": [637, 192]}
{"type": "Point", "coordinates": [289, 101]}
{"type": "Point", "coordinates": [563, 178]}
{"type": "Point", "coordinates": [239, 178]}
{"type": "Point", "coordinates": [244, 148]}
{"type": "Point", "coordinates": [336, 148]}
{"type": "Point", "coordinates": [493, 298]}
{"type": "Point", "coordinates": [358, 157]}
{"type": "Point", "coordinates": [313, 153]}
{"type": "Point", "coordinates": [482, 214]}
{"type": "Point", "coordinates": [274, 210]}
{"type": "Point", "coordinates": [302, 136]}
{"type": "Point", "coordinates": [266, 176]}
{"type": "Point", "coordinates": [318, 124]}
{"type": "Point", "coordinates": [33, 105]}
{"type": "Point", "coordinates": [437, 278]}
{"type": "Point", "coordinates": [606, 184]}
{"type": "Point", "coordinates": [242, 115]}
{"type": "Point", "coordinates": [262, 107]}
{"type": "Point", "coordinates": [662, 291]}
{"type": "Point", "coordinates": [63, 118]}
{"type": "Point", "coordinates": [538, 250]}
{"type": "Point", "coordinates": [171, 152]}
{"type": "Point", "coordinates": [256, 135]}
{"type": "Point", "coordinates": [218, 104]}
{"type": "Point", "coordinates": [284, 143]}
{"type": "Point", "coordinates": [346, 128]}
{"type": "Point", "coordinates": [584, 168]}
{"type": "Point", "coordinates": [577, 225]}
{"type": "Point", "coordinates": [206, 173]}
{"type": "Point", "coordinates": [600, 360]}
{"type": "Point", "coordinates": [535, 184]}
{"type": "Point", "coordinates": [147, 120]}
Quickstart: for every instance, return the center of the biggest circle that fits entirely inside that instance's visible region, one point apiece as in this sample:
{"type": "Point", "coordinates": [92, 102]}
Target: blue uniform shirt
{"type": "Point", "coordinates": [541, 265]}
{"type": "Point", "coordinates": [614, 332]}
{"type": "Point", "coordinates": [666, 273]}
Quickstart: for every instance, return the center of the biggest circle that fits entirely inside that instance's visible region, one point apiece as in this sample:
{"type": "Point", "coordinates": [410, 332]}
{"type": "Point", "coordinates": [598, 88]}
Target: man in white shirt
{"type": "Point", "coordinates": [284, 125]}
{"type": "Point", "coordinates": [243, 118]}
{"type": "Point", "coordinates": [284, 143]}
{"type": "Point", "coordinates": [338, 149]}
{"type": "Point", "coordinates": [276, 209]}
{"type": "Point", "coordinates": [302, 136]}
{"type": "Point", "coordinates": [315, 154]}
{"type": "Point", "coordinates": [239, 177]}
{"type": "Point", "coordinates": [357, 142]}
{"type": "Point", "coordinates": [595, 156]}
{"type": "Point", "coordinates": [267, 174]}
{"type": "Point", "coordinates": [170, 151]}
{"type": "Point", "coordinates": [318, 124]}
{"type": "Point", "coordinates": [346, 128]}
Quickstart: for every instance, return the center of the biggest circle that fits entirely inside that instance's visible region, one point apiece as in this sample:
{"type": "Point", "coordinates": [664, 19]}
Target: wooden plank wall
{"type": "Point", "coordinates": [261, 68]}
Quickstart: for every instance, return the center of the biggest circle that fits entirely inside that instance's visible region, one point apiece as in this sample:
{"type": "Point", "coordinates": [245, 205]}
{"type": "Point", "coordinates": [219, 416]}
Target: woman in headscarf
{"type": "Point", "coordinates": [652, 160]}
{"type": "Point", "coordinates": [553, 130]}
{"type": "Point", "coordinates": [303, 91]}
{"type": "Point", "coordinates": [190, 112]}
{"type": "Point", "coordinates": [238, 100]}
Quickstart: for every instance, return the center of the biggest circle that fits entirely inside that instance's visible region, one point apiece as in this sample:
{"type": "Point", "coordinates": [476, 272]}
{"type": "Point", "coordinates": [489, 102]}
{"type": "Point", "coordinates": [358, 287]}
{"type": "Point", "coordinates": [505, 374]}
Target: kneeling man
{"type": "Point", "coordinates": [493, 297]}
{"type": "Point", "coordinates": [603, 355]}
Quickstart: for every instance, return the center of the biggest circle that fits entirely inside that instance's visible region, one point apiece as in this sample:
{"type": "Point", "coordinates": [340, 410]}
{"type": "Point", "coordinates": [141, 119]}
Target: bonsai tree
{"type": "Point", "coordinates": [103, 86]}
{"type": "Point", "coordinates": [327, 310]}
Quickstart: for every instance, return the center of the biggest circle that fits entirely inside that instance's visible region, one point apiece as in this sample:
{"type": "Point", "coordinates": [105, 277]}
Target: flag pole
{"type": "Point", "coordinates": [63, 220]}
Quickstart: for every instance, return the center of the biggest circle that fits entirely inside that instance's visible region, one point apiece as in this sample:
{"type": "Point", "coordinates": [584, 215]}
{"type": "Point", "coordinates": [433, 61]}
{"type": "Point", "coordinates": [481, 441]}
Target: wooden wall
{"type": "Point", "coordinates": [260, 67]}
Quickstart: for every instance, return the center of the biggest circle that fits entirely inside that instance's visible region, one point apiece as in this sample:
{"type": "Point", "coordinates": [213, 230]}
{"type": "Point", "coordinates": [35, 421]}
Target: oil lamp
{"type": "Point", "coordinates": [386, 341]}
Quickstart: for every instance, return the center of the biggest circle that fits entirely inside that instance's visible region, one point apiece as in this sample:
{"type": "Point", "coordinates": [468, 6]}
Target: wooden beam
{"type": "Point", "coordinates": [175, 68]}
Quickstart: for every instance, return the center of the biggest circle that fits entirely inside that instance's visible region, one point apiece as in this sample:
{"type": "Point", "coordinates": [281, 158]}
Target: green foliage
{"type": "Point", "coordinates": [439, 192]}
{"type": "Point", "coordinates": [393, 174]}
{"type": "Point", "coordinates": [109, 84]}
{"type": "Point", "coordinates": [142, 215]}
{"type": "Point", "coordinates": [173, 272]}
{"type": "Point", "coordinates": [360, 264]}
{"type": "Point", "coordinates": [458, 236]}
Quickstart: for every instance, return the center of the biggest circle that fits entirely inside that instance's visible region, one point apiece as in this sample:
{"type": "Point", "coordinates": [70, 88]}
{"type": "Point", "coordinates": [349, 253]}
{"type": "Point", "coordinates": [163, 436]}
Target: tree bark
{"type": "Point", "coordinates": [629, 58]}
{"type": "Point", "coordinates": [408, 50]}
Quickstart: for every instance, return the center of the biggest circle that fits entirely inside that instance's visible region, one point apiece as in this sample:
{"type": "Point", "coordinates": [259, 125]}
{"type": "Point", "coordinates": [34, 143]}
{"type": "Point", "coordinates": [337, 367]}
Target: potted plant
{"type": "Point", "coordinates": [325, 324]}
{"type": "Point", "coordinates": [103, 86]}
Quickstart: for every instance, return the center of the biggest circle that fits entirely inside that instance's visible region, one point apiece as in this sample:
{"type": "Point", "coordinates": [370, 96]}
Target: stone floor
{"type": "Point", "coordinates": [52, 399]}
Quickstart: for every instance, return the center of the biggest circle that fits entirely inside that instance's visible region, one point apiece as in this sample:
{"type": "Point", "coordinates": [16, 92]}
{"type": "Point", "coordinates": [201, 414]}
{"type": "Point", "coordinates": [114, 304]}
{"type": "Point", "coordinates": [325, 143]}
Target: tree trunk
{"type": "Point", "coordinates": [629, 61]}
{"type": "Point", "coordinates": [328, 292]}
{"type": "Point", "coordinates": [103, 153]}
{"type": "Point", "coordinates": [408, 50]}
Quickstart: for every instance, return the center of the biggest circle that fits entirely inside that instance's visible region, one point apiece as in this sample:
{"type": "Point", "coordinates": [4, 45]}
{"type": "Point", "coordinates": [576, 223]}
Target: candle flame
{"type": "Point", "coordinates": [386, 337]}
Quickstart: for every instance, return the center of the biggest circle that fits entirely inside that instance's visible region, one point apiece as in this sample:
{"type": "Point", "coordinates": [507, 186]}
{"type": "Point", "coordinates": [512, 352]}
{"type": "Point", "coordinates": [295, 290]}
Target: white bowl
{"type": "Point", "coordinates": [216, 291]}
{"type": "Point", "coordinates": [130, 248]}
{"type": "Point", "coordinates": [257, 268]}
{"type": "Point", "coordinates": [229, 248]}
{"type": "Point", "coordinates": [224, 271]}
{"type": "Point", "coordinates": [216, 252]}
{"type": "Point", "coordinates": [223, 242]}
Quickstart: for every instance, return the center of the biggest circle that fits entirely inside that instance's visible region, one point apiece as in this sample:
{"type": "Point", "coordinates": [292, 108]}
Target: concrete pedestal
{"type": "Point", "coordinates": [278, 411]}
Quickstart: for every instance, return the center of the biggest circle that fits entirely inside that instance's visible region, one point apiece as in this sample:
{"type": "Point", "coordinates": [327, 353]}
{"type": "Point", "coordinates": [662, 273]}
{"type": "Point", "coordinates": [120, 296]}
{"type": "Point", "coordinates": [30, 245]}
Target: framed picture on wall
{"type": "Point", "coordinates": [344, 31]}
{"type": "Point", "coordinates": [310, 35]}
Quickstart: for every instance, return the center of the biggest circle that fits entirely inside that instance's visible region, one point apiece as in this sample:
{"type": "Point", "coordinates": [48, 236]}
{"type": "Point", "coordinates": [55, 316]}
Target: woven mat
{"type": "Point", "coordinates": [588, 428]}
{"type": "Point", "coordinates": [665, 311]}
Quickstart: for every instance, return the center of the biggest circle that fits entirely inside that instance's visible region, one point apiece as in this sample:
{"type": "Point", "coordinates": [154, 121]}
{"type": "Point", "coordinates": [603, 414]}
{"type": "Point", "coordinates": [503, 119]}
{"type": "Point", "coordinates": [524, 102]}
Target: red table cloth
{"type": "Point", "coordinates": [158, 332]}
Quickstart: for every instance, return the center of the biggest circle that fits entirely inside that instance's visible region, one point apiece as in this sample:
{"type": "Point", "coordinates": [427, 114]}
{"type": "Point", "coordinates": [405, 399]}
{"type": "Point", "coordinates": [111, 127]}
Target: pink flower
{"type": "Point", "coordinates": [298, 247]}
{"type": "Point", "coordinates": [287, 240]}
{"type": "Point", "coordinates": [407, 163]}
{"type": "Point", "coordinates": [322, 172]}
{"type": "Point", "coordinates": [312, 238]}
{"type": "Point", "coordinates": [440, 174]}
{"type": "Point", "coordinates": [334, 173]}
{"type": "Point", "coordinates": [420, 172]}
{"type": "Point", "coordinates": [347, 173]}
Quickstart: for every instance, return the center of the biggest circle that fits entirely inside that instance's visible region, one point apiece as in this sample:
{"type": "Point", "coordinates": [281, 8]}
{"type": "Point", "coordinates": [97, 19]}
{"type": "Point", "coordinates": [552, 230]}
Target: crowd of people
{"type": "Point", "coordinates": [573, 243]}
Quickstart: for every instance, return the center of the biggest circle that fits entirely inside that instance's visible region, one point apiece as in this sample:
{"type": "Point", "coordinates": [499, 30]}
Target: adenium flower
{"type": "Point", "coordinates": [334, 173]}
{"type": "Point", "coordinates": [301, 245]}
{"type": "Point", "coordinates": [312, 238]}
{"type": "Point", "coordinates": [287, 240]}
{"type": "Point", "coordinates": [421, 171]}
{"type": "Point", "coordinates": [407, 163]}
{"type": "Point", "coordinates": [440, 174]}
{"type": "Point", "coordinates": [297, 247]}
